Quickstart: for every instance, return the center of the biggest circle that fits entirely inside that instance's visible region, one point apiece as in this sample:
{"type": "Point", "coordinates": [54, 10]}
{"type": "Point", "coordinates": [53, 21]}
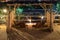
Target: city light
{"type": "Point", "coordinates": [5, 10]}
{"type": "Point", "coordinates": [29, 20]}
{"type": "Point", "coordinates": [42, 17]}
{"type": "Point", "coordinates": [30, 23]}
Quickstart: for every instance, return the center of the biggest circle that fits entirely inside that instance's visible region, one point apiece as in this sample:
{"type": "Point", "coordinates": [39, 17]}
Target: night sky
{"type": "Point", "coordinates": [37, 9]}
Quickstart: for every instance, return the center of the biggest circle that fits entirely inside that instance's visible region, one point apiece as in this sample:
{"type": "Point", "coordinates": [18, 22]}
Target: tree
{"type": "Point", "coordinates": [19, 10]}
{"type": "Point", "coordinates": [58, 7]}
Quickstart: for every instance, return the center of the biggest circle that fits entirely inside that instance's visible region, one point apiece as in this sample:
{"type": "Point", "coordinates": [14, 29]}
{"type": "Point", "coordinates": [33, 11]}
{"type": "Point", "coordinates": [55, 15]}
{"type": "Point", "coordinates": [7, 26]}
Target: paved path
{"type": "Point", "coordinates": [22, 34]}
{"type": "Point", "coordinates": [56, 27]}
{"type": "Point", "coordinates": [3, 34]}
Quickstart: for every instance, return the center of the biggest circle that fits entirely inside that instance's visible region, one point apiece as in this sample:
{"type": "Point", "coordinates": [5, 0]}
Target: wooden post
{"type": "Point", "coordinates": [11, 16]}
{"type": "Point", "coordinates": [48, 18]}
{"type": "Point", "coordinates": [8, 21]}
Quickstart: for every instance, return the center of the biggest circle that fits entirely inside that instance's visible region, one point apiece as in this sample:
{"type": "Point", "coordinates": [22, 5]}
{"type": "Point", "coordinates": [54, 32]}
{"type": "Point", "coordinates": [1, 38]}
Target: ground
{"type": "Point", "coordinates": [23, 34]}
{"type": "Point", "coordinates": [3, 34]}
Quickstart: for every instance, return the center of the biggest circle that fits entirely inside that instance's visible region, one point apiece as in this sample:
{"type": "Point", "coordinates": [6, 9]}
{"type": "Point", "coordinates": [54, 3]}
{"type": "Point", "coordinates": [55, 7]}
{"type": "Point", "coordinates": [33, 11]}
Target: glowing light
{"type": "Point", "coordinates": [42, 17]}
{"type": "Point", "coordinates": [30, 23]}
{"type": "Point", "coordinates": [5, 10]}
{"type": "Point", "coordinates": [29, 20]}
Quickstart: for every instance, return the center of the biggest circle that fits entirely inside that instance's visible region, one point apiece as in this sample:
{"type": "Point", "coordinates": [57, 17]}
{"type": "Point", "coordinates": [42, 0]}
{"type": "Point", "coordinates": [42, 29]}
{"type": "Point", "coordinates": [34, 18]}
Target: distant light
{"type": "Point", "coordinates": [29, 20]}
{"type": "Point", "coordinates": [30, 24]}
{"type": "Point", "coordinates": [5, 10]}
{"type": "Point", "coordinates": [42, 17]}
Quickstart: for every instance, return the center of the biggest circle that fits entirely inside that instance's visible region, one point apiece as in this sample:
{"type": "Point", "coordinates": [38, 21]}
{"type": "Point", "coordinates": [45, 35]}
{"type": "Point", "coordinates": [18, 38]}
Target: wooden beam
{"type": "Point", "coordinates": [29, 4]}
